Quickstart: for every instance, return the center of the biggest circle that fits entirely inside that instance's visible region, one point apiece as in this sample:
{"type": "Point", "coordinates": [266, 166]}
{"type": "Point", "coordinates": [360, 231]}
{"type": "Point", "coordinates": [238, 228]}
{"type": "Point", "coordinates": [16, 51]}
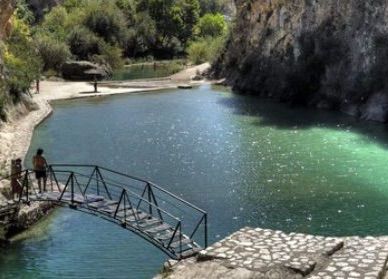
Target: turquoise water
{"type": "Point", "coordinates": [248, 162]}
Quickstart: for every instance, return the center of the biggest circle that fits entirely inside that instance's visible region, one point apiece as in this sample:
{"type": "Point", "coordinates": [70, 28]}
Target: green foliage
{"type": "Point", "coordinates": [53, 52]}
{"type": "Point", "coordinates": [20, 59]}
{"type": "Point", "coordinates": [213, 6]}
{"type": "Point", "coordinates": [213, 25]}
{"type": "Point", "coordinates": [54, 24]}
{"type": "Point", "coordinates": [98, 29]}
{"type": "Point", "coordinates": [83, 43]}
{"type": "Point", "coordinates": [205, 49]}
{"type": "Point", "coordinates": [109, 55]}
{"type": "Point", "coordinates": [106, 21]}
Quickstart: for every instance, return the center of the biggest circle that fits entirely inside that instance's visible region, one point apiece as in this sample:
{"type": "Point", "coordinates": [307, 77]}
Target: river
{"type": "Point", "coordinates": [247, 161]}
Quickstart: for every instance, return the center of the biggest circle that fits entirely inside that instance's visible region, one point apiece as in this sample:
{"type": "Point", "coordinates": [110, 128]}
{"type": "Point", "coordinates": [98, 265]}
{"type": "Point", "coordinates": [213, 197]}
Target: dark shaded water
{"type": "Point", "coordinates": [246, 161]}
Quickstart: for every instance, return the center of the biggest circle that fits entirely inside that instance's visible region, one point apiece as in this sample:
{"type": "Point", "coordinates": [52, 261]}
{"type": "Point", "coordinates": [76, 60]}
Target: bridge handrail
{"type": "Point", "coordinates": [106, 180]}
{"type": "Point", "coordinates": [136, 196]}
{"type": "Point", "coordinates": [134, 178]}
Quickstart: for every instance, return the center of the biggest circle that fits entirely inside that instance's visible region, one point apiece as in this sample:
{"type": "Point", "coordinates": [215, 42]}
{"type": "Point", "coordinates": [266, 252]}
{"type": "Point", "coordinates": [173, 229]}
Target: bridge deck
{"type": "Point", "coordinates": [133, 203]}
{"type": "Point", "coordinates": [129, 217]}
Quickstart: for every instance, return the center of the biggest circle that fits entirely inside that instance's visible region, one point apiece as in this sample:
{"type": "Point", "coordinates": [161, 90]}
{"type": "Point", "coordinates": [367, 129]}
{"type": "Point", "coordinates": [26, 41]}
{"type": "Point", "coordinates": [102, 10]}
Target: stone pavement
{"type": "Point", "coordinates": [259, 253]}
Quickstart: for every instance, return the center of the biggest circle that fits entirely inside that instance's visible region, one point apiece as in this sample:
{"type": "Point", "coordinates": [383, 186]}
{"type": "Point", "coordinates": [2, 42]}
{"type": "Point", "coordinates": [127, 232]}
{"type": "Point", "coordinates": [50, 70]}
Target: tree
{"type": "Point", "coordinates": [211, 25]}
{"type": "Point", "coordinates": [190, 10]}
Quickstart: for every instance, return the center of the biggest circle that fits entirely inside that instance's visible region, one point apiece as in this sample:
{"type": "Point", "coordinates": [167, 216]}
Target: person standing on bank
{"type": "Point", "coordinates": [40, 164]}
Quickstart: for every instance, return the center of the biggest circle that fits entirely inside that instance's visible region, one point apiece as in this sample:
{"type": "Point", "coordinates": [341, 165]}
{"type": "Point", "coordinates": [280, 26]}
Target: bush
{"type": "Point", "coordinates": [110, 56]}
{"type": "Point", "coordinates": [83, 43]}
{"type": "Point", "coordinates": [211, 25]}
{"type": "Point", "coordinates": [106, 21]}
{"type": "Point", "coordinates": [205, 49]}
{"type": "Point", "coordinates": [53, 52]}
{"type": "Point", "coordinates": [20, 60]}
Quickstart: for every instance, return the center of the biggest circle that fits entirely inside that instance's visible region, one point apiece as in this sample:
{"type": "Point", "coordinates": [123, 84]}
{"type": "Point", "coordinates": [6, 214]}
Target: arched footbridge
{"type": "Point", "coordinates": [170, 223]}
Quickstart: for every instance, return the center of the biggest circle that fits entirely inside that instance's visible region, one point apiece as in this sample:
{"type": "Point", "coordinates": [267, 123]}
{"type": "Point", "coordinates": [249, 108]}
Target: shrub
{"type": "Point", "coordinates": [110, 56]}
{"type": "Point", "coordinates": [211, 25]}
{"type": "Point", "coordinates": [83, 43]}
{"type": "Point", "coordinates": [20, 59]}
{"type": "Point", "coordinates": [53, 52]}
{"type": "Point", "coordinates": [107, 21]}
{"type": "Point", "coordinates": [205, 49]}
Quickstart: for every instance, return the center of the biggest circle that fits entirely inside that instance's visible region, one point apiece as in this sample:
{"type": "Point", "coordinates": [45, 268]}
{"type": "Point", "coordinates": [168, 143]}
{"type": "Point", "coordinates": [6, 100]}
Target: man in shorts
{"type": "Point", "coordinates": [40, 164]}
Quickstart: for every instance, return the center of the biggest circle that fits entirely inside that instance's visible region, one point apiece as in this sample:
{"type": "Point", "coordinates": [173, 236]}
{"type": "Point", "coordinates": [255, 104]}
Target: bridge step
{"type": "Point", "coordinates": [160, 228]}
{"type": "Point", "coordinates": [101, 204]}
{"type": "Point", "coordinates": [138, 217]}
{"type": "Point", "coordinates": [149, 223]}
{"type": "Point", "coordinates": [189, 253]}
{"type": "Point", "coordinates": [177, 243]}
{"type": "Point", "coordinates": [165, 236]}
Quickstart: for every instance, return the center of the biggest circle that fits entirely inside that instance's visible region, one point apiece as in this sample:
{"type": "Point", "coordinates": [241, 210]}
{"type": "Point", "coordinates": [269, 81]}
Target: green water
{"type": "Point", "coordinates": [141, 71]}
{"type": "Point", "coordinates": [248, 162]}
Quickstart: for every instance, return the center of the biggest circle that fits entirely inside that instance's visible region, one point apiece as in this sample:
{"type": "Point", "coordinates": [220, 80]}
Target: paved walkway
{"type": "Point", "coordinates": [258, 253]}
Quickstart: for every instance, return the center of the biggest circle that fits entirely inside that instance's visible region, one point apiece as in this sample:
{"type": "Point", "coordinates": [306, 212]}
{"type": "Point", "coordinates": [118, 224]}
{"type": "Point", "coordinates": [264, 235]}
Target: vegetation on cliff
{"type": "Point", "coordinates": [20, 63]}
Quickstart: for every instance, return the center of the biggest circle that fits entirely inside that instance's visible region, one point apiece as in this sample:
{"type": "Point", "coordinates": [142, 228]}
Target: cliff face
{"type": "Point", "coordinates": [330, 54]}
{"type": "Point", "coordinates": [6, 10]}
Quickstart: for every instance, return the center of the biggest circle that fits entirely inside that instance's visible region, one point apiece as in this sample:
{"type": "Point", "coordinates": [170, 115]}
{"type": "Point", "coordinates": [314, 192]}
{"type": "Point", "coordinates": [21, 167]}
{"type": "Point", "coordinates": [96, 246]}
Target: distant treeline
{"type": "Point", "coordinates": [108, 33]}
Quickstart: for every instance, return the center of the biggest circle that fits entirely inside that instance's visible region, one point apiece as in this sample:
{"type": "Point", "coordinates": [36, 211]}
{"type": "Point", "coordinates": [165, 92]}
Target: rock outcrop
{"type": "Point", "coordinates": [329, 54]}
{"type": "Point", "coordinates": [6, 9]}
{"type": "Point", "coordinates": [84, 70]}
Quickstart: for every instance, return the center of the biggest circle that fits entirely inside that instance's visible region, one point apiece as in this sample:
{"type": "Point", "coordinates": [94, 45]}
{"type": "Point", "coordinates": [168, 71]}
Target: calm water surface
{"type": "Point", "coordinates": [246, 161]}
{"type": "Point", "coordinates": [141, 71]}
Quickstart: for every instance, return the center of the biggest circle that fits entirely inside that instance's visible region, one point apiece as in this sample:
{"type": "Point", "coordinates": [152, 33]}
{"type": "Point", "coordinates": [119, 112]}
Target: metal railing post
{"type": "Point", "coordinates": [149, 198]}
{"type": "Point", "coordinates": [206, 240]}
{"type": "Point", "coordinates": [72, 186]}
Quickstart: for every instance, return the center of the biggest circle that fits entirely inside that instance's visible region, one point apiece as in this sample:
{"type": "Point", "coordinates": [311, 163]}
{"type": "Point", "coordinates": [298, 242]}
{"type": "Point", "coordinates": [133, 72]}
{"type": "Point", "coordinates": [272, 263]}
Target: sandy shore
{"type": "Point", "coordinates": [15, 135]}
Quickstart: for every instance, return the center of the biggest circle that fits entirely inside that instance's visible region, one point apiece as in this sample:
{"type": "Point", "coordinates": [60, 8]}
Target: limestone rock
{"type": "Point", "coordinates": [376, 108]}
{"type": "Point", "coordinates": [84, 70]}
{"type": "Point", "coordinates": [6, 9]}
{"type": "Point", "coordinates": [316, 53]}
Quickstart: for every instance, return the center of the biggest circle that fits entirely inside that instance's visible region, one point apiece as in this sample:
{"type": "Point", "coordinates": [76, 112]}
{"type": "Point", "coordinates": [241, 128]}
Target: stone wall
{"type": "Point", "coordinates": [327, 54]}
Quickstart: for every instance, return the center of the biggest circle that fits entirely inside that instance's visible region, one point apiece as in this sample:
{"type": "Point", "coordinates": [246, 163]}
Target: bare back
{"type": "Point", "coordinates": [39, 162]}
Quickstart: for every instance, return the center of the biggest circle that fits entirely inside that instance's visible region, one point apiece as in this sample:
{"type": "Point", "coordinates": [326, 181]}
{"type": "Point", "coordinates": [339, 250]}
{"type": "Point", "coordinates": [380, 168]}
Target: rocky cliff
{"type": "Point", "coordinates": [6, 10]}
{"type": "Point", "coordinates": [330, 54]}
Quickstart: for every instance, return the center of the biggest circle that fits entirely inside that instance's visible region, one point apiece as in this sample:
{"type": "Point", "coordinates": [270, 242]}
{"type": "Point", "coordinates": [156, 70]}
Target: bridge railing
{"type": "Point", "coordinates": [146, 195]}
{"type": "Point", "coordinates": [73, 181]}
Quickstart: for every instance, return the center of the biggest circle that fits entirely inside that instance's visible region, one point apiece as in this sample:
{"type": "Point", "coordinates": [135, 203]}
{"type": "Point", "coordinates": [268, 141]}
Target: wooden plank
{"type": "Point", "coordinates": [137, 217]}
{"type": "Point", "coordinates": [189, 253]}
{"type": "Point", "coordinates": [149, 223]}
{"type": "Point", "coordinates": [177, 243]}
{"type": "Point", "coordinates": [160, 228]}
{"type": "Point", "coordinates": [129, 212]}
{"type": "Point", "coordinates": [93, 198]}
{"type": "Point", "coordinates": [101, 204]}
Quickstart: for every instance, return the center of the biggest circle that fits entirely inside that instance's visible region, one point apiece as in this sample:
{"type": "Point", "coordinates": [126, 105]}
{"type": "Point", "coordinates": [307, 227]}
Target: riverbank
{"type": "Point", "coordinates": [16, 134]}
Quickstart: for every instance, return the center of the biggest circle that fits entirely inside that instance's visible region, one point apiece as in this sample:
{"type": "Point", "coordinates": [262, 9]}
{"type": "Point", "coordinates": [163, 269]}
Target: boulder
{"type": "Point", "coordinates": [84, 70]}
{"type": "Point", "coordinates": [376, 108]}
